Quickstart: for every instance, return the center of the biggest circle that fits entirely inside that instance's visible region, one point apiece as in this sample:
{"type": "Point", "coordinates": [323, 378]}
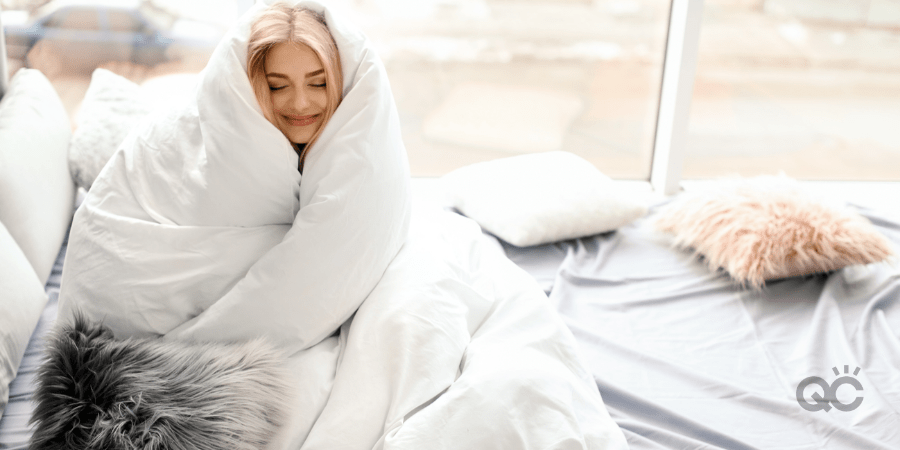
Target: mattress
{"type": "Point", "coordinates": [14, 429]}
{"type": "Point", "coordinates": [684, 358]}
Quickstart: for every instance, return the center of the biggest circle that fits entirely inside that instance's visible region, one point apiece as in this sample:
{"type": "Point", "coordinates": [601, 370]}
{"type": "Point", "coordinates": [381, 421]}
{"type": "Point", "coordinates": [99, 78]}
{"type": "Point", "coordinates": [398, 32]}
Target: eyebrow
{"type": "Point", "coordinates": [281, 75]}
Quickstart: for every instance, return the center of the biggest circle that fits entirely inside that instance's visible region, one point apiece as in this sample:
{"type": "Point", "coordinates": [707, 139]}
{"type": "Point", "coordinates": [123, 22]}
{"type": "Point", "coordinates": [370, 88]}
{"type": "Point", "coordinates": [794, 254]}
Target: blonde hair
{"type": "Point", "coordinates": [283, 23]}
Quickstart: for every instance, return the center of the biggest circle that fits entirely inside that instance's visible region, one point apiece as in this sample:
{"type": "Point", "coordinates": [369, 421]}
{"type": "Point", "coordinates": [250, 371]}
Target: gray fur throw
{"type": "Point", "coordinates": [98, 392]}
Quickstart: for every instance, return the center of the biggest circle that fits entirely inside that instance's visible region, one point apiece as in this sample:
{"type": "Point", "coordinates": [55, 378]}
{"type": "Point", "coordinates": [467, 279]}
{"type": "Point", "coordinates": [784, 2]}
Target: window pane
{"type": "Point", "coordinates": [810, 87]}
{"type": "Point", "coordinates": [477, 80]}
{"type": "Point", "coordinates": [155, 39]}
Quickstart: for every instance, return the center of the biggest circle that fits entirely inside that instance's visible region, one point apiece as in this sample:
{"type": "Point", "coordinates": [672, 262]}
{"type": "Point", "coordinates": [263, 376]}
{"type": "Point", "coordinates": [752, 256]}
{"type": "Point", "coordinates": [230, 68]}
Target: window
{"type": "Point", "coordinates": [476, 80]}
{"type": "Point", "coordinates": [810, 87]}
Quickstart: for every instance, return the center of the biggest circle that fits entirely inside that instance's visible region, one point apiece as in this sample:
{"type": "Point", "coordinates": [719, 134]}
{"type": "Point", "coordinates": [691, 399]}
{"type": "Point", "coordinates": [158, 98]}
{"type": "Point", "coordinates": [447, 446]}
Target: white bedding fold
{"type": "Point", "coordinates": [455, 348]}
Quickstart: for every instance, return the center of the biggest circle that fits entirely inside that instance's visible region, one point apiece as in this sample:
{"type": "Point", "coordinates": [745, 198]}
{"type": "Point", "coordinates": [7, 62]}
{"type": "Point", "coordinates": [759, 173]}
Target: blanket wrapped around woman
{"type": "Point", "coordinates": [401, 330]}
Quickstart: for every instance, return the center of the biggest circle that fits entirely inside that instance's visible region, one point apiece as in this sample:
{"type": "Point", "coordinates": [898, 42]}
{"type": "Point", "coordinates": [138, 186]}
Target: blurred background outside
{"type": "Point", "coordinates": [808, 87]}
{"type": "Point", "coordinates": [811, 87]}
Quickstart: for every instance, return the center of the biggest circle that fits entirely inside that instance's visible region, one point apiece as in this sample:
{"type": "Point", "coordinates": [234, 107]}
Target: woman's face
{"type": "Point", "coordinates": [297, 83]}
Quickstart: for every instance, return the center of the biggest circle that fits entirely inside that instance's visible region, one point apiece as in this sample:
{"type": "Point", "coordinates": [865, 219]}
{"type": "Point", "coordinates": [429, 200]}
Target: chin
{"type": "Point", "coordinates": [298, 138]}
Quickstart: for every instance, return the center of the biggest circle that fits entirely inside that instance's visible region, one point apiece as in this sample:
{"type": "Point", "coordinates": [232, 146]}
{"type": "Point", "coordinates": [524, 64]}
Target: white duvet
{"type": "Point", "coordinates": [406, 330]}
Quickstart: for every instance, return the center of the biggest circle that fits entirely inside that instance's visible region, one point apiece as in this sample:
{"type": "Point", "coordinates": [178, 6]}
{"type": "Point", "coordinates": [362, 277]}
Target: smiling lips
{"type": "Point", "coordinates": [301, 121]}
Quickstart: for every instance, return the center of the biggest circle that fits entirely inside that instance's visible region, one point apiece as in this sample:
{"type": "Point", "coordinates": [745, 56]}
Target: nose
{"type": "Point", "coordinates": [300, 100]}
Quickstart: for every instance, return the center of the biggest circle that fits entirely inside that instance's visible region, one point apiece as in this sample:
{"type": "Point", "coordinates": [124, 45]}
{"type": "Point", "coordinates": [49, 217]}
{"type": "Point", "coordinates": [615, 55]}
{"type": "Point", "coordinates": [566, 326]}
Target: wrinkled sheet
{"type": "Point", "coordinates": [685, 359]}
{"type": "Point", "coordinates": [456, 348]}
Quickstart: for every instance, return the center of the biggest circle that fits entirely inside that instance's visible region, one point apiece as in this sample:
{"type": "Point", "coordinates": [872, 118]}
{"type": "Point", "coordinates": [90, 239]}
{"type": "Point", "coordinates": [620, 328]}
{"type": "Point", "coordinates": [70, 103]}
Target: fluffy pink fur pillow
{"type": "Point", "coordinates": [768, 227]}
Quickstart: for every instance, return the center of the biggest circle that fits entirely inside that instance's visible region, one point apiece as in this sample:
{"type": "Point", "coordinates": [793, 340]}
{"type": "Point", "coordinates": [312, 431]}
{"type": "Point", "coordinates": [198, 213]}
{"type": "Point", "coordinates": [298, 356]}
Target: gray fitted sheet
{"type": "Point", "coordinates": [685, 359]}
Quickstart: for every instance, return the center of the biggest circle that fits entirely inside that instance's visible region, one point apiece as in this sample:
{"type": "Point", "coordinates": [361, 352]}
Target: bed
{"type": "Point", "coordinates": [682, 356]}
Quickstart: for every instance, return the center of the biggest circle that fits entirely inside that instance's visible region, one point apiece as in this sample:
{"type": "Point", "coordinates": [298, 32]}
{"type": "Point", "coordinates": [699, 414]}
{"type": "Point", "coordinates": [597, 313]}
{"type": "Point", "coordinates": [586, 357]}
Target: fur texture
{"type": "Point", "coordinates": [768, 227]}
{"type": "Point", "coordinates": [97, 392]}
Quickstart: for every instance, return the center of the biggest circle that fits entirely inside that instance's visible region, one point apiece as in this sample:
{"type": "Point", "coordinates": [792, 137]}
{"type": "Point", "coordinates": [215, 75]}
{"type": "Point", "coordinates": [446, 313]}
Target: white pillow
{"type": "Point", "coordinates": [36, 191]}
{"type": "Point", "coordinates": [22, 298]}
{"type": "Point", "coordinates": [540, 198]}
{"type": "Point", "coordinates": [112, 106]}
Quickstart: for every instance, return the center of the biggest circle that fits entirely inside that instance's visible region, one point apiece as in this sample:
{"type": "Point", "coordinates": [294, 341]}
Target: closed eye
{"type": "Point", "coordinates": [276, 88]}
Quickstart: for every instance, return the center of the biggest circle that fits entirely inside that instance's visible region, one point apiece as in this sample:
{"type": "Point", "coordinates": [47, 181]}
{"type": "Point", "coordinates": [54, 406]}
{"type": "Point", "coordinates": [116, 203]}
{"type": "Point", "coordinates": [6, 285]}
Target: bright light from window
{"type": "Point", "coordinates": [809, 87]}
{"type": "Point", "coordinates": [477, 80]}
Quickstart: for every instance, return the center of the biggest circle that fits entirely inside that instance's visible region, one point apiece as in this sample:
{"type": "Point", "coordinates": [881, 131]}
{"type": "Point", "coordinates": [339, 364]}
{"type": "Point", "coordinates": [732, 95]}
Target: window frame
{"type": "Point", "coordinates": [4, 76]}
{"type": "Point", "coordinates": [673, 114]}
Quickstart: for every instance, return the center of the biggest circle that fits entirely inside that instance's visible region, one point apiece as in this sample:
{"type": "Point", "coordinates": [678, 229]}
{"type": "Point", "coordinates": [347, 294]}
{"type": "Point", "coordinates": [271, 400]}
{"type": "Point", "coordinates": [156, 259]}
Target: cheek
{"type": "Point", "coordinates": [278, 100]}
{"type": "Point", "coordinates": [321, 99]}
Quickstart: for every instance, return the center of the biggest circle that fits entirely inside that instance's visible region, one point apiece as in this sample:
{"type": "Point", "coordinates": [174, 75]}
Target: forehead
{"type": "Point", "coordinates": [293, 60]}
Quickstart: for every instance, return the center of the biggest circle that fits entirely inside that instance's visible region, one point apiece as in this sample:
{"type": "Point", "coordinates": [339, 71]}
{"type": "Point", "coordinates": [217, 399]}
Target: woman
{"type": "Point", "coordinates": [202, 213]}
{"type": "Point", "coordinates": [199, 229]}
{"type": "Point", "coordinates": [295, 71]}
